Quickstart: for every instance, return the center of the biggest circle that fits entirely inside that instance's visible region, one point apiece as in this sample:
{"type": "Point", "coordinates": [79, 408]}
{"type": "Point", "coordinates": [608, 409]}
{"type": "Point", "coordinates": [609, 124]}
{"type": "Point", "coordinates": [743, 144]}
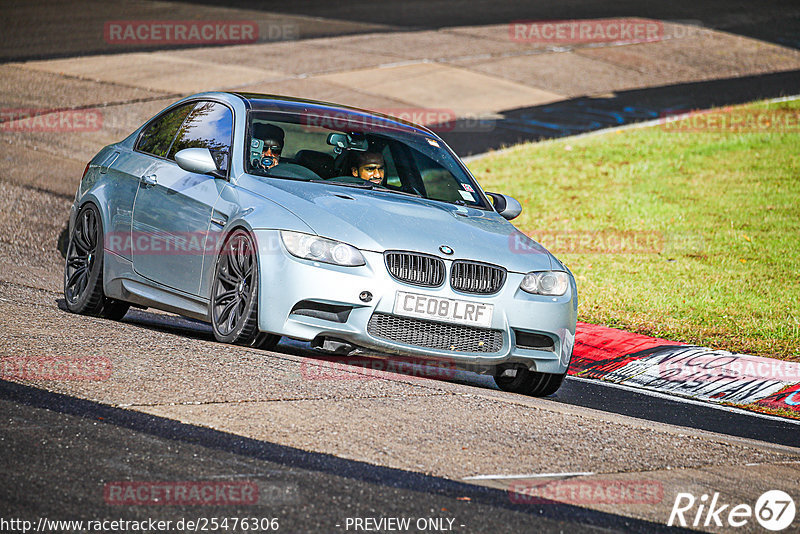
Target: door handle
{"type": "Point", "coordinates": [149, 179]}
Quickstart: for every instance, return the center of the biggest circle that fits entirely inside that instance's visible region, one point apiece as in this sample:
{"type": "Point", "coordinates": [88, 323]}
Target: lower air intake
{"type": "Point", "coordinates": [434, 335]}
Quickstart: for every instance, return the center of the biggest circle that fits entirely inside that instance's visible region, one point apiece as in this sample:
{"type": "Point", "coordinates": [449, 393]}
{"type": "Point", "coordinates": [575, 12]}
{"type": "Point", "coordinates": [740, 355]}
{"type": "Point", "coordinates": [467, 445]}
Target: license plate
{"type": "Point", "coordinates": [443, 309]}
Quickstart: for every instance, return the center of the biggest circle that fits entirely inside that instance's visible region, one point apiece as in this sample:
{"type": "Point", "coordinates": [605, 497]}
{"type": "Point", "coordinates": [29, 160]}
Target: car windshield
{"type": "Point", "coordinates": [359, 151]}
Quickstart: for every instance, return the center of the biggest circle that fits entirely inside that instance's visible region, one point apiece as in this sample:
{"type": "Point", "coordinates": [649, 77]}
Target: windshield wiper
{"type": "Point", "coordinates": [399, 192]}
{"type": "Point", "coordinates": [368, 185]}
{"type": "Point", "coordinates": [365, 185]}
{"type": "Point", "coordinates": [462, 203]}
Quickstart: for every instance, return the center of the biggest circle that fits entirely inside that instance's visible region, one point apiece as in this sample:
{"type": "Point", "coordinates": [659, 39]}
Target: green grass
{"type": "Point", "coordinates": [718, 214]}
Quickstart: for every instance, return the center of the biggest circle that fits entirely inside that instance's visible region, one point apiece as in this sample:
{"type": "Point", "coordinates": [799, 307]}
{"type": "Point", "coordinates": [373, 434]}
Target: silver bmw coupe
{"type": "Point", "coordinates": [270, 216]}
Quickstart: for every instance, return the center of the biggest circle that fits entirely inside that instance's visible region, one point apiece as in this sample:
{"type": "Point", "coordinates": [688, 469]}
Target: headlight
{"type": "Point", "coordinates": [550, 283]}
{"type": "Point", "coordinates": [311, 247]}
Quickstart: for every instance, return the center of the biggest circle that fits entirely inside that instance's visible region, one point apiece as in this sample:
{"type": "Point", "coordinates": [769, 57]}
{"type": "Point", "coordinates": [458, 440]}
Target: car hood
{"type": "Point", "coordinates": [379, 220]}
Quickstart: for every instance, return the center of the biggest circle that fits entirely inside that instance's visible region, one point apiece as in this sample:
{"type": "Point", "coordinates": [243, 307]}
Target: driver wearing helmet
{"type": "Point", "coordinates": [272, 136]}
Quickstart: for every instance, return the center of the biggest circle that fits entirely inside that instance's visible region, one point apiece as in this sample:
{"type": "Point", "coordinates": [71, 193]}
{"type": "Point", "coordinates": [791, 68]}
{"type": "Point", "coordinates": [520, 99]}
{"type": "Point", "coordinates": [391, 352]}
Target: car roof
{"type": "Point", "coordinates": [287, 104]}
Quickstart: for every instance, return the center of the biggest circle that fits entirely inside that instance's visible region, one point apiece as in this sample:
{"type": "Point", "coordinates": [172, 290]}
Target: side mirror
{"type": "Point", "coordinates": [508, 207]}
{"type": "Point", "coordinates": [351, 141]}
{"type": "Point", "coordinates": [198, 160]}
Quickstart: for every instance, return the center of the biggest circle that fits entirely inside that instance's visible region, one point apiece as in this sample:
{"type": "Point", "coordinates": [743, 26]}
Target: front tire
{"type": "Point", "coordinates": [527, 382]}
{"type": "Point", "coordinates": [83, 271]}
{"type": "Point", "coordinates": [234, 293]}
{"type": "Point", "coordinates": [265, 341]}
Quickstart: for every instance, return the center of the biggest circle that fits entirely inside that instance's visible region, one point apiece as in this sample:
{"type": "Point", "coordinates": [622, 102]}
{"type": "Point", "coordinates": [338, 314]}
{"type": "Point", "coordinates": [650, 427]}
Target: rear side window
{"type": "Point", "coordinates": [209, 125]}
{"type": "Point", "coordinates": [158, 135]}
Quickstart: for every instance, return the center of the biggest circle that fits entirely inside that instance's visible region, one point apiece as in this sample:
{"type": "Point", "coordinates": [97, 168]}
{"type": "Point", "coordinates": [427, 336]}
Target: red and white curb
{"type": "Point", "coordinates": [699, 373]}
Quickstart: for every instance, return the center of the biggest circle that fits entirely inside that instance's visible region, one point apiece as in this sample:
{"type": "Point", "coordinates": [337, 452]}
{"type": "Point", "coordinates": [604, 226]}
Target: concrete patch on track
{"type": "Point", "coordinates": [157, 71]}
{"type": "Point", "coordinates": [22, 87]}
{"type": "Point", "coordinates": [432, 85]}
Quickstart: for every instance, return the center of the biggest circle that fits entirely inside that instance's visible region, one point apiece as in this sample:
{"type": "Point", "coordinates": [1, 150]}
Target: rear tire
{"type": "Point", "coordinates": [83, 271]}
{"type": "Point", "coordinates": [527, 382]}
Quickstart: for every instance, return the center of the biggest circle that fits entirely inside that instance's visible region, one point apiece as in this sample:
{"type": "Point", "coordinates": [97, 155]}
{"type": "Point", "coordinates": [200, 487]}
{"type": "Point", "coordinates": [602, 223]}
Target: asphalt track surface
{"type": "Point", "coordinates": [79, 446]}
{"type": "Point", "coordinates": [41, 30]}
{"type": "Point", "coordinates": [677, 412]}
{"type": "Point", "coordinates": [593, 394]}
{"type": "Point", "coordinates": [586, 393]}
{"type": "Point", "coordinates": [640, 404]}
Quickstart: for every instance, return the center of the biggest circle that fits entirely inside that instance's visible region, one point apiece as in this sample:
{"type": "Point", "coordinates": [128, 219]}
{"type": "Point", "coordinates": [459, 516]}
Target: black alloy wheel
{"type": "Point", "coordinates": [234, 293]}
{"type": "Point", "coordinates": [83, 272]}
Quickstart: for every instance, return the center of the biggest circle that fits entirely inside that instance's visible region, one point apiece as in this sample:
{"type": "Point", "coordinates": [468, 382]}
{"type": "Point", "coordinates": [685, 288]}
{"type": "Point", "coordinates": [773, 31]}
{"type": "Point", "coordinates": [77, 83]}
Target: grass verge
{"type": "Point", "coordinates": [688, 231]}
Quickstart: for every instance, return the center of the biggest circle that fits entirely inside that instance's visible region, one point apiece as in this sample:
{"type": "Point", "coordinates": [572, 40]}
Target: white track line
{"type": "Point", "coordinates": [535, 475]}
{"type": "Point", "coordinates": [676, 398]}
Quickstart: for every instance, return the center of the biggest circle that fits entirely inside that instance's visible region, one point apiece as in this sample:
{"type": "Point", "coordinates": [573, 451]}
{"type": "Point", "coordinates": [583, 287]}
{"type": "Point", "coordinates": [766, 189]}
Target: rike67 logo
{"type": "Point", "coordinates": [774, 510]}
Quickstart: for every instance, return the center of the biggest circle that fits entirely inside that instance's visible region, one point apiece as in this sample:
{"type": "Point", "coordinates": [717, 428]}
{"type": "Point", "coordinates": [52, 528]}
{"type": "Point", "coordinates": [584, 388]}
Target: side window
{"type": "Point", "coordinates": [209, 125]}
{"type": "Point", "coordinates": [159, 134]}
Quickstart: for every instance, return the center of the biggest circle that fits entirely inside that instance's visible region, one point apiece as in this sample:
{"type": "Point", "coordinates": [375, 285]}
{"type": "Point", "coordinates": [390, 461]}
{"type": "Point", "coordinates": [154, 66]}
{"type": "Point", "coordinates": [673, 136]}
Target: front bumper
{"type": "Point", "coordinates": [286, 281]}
